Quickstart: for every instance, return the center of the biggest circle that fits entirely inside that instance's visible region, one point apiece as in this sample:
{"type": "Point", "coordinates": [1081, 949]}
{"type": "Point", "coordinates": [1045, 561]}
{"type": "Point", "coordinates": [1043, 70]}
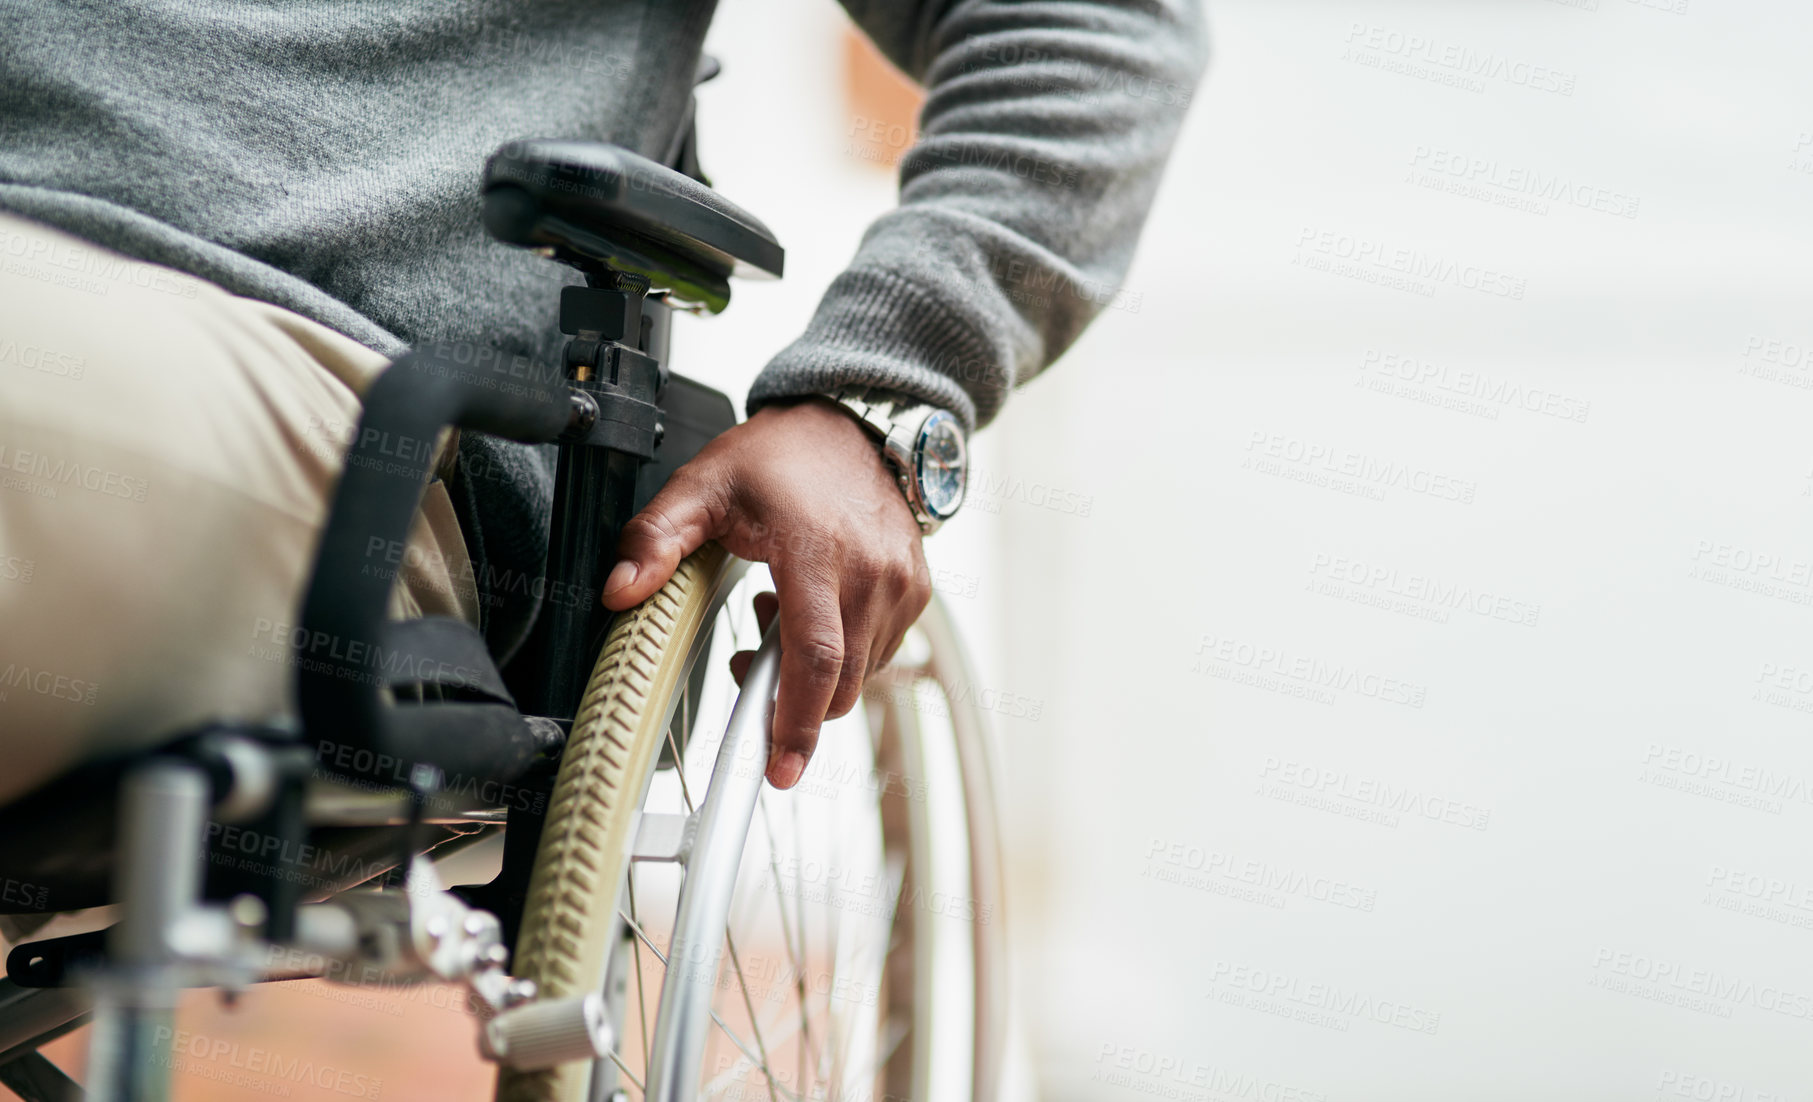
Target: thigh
{"type": "Point", "coordinates": [167, 453]}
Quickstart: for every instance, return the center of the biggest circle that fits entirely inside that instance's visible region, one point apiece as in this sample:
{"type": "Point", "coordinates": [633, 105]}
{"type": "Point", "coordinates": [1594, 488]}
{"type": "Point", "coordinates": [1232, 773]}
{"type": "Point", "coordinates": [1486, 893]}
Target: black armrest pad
{"type": "Point", "coordinates": [617, 195]}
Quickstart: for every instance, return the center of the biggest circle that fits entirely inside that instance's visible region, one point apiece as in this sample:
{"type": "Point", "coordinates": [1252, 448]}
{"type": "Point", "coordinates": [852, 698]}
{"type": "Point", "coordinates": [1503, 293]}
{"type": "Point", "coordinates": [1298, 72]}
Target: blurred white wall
{"type": "Point", "coordinates": [1426, 694]}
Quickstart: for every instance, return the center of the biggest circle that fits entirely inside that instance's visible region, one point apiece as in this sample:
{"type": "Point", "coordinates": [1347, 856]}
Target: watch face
{"type": "Point", "coordinates": [943, 464]}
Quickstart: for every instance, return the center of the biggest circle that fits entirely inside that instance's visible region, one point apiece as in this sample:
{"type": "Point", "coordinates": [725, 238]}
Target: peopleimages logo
{"type": "Point", "coordinates": [1389, 582]}
{"type": "Point", "coordinates": [1674, 1083]}
{"type": "Point", "coordinates": [356, 659]}
{"type": "Point", "coordinates": [1216, 655]}
{"type": "Point", "coordinates": [1381, 257]}
{"type": "Point", "coordinates": [1657, 979]}
{"type": "Point", "coordinates": [1794, 679]}
{"type": "Point", "coordinates": [1064, 72]}
{"type": "Point", "coordinates": [1782, 577]}
{"type": "Point", "coordinates": [85, 267]}
{"type": "Point", "coordinates": [24, 894]}
{"type": "Point", "coordinates": [37, 358]}
{"type": "Point", "coordinates": [1761, 564]}
{"type": "Point", "coordinates": [46, 473]}
{"type": "Point", "coordinates": [222, 1054]}
{"type": "Point", "coordinates": [1457, 60]}
{"type": "Point", "coordinates": [1325, 997]}
{"type": "Point", "coordinates": [1718, 769]}
{"type": "Point", "coordinates": [1774, 360]}
{"type": "Point", "coordinates": [15, 569]}
{"type": "Point", "coordinates": [1371, 792]}
{"type": "Point", "coordinates": [46, 683]}
{"type": "Point", "coordinates": [1766, 889]}
{"type": "Point", "coordinates": [1176, 1077]}
{"type": "Point", "coordinates": [1175, 862]}
{"type": "Point", "coordinates": [1519, 180]}
{"type": "Point", "coordinates": [989, 490]}
{"type": "Point", "coordinates": [1475, 384]}
{"type": "Point", "coordinates": [1275, 453]}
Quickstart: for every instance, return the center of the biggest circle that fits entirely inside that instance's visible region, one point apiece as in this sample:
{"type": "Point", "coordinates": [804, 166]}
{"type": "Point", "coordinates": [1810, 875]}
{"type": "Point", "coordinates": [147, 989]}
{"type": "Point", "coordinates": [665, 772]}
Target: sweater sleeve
{"type": "Point", "coordinates": [1045, 128]}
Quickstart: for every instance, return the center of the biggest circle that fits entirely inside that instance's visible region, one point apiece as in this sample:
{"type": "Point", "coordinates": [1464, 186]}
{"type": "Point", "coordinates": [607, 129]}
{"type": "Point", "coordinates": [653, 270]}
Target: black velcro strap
{"type": "Point", "coordinates": [443, 651]}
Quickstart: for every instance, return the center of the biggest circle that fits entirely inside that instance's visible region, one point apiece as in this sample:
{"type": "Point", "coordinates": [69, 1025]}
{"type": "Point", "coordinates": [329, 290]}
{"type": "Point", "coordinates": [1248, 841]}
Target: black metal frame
{"type": "Point", "coordinates": [417, 704]}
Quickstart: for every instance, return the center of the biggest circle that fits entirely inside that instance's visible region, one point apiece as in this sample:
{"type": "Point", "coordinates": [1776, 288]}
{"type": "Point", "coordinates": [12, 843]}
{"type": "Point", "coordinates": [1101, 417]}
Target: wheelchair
{"type": "Point", "coordinates": [842, 940]}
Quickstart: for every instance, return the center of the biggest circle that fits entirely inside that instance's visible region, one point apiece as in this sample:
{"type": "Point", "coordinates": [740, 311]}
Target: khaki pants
{"type": "Point", "coordinates": [167, 455]}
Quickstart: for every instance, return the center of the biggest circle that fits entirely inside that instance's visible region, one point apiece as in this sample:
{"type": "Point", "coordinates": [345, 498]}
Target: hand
{"type": "Point", "coordinates": [804, 489]}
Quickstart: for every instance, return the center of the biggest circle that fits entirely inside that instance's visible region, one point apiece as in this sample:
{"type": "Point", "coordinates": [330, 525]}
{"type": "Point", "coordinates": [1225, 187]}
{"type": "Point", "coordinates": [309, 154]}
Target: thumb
{"type": "Point", "coordinates": [676, 523]}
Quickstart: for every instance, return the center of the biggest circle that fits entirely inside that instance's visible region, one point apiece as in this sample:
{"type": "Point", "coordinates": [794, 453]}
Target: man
{"type": "Point", "coordinates": [218, 222]}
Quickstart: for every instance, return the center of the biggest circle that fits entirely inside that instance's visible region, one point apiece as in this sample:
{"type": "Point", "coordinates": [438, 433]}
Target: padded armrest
{"type": "Point", "coordinates": [599, 202]}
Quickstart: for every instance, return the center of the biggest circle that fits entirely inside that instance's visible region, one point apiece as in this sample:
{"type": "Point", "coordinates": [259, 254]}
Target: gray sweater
{"type": "Point", "coordinates": [324, 155]}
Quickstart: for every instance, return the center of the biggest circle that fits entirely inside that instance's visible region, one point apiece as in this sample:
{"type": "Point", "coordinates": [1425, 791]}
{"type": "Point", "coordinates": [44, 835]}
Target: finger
{"type": "Point", "coordinates": [888, 641]}
{"type": "Point", "coordinates": [906, 613]}
{"type": "Point", "coordinates": [739, 665]}
{"type": "Point", "coordinates": [887, 653]}
{"type": "Point", "coordinates": [687, 512]}
{"type": "Point", "coordinates": [812, 658]}
{"type": "Point", "coordinates": [767, 607]}
{"type": "Point", "coordinates": [859, 642]}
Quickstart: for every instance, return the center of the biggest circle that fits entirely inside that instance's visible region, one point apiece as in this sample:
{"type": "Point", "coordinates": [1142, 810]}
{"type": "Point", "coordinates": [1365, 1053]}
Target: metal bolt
{"type": "Point", "coordinates": [582, 414]}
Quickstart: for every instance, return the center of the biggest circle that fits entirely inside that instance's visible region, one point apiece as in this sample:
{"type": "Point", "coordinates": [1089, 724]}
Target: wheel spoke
{"type": "Point", "coordinates": [787, 930]}
{"type": "Point", "coordinates": [781, 1029]}
{"type": "Point", "coordinates": [799, 906]}
{"type": "Point", "coordinates": [660, 956]}
{"type": "Point", "coordinates": [774, 871]}
{"type": "Point", "coordinates": [648, 1050]}
{"type": "Point", "coordinates": [827, 1060]}
{"type": "Point", "coordinates": [756, 1060]}
{"type": "Point", "coordinates": [735, 1072]}
{"type": "Point", "coordinates": [799, 912]}
{"type": "Point", "coordinates": [627, 1073]}
{"type": "Point", "coordinates": [754, 1023]}
{"type": "Point", "coordinates": [685, 725]}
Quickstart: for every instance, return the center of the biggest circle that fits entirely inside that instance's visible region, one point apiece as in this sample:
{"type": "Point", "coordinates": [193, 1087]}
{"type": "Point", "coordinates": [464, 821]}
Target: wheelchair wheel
{"type": "Point", "coordinates": [863, 956]}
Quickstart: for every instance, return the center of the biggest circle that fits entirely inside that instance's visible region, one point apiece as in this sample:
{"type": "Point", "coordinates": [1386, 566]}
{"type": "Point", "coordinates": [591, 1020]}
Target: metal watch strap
{"type": "Point", "coordinates": [873, 409]}
{"type": "Point", "coordinates": [875, 415]}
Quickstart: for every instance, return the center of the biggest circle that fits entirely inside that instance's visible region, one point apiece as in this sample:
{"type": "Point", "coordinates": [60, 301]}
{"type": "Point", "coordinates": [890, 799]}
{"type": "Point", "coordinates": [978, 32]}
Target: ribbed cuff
{"type": "Point", "coordinates": [875, 328]}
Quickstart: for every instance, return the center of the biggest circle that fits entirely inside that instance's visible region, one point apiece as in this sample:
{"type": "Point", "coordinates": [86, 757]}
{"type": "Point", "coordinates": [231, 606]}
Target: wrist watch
{"type": "Point", "coordinates": [922, 444]}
